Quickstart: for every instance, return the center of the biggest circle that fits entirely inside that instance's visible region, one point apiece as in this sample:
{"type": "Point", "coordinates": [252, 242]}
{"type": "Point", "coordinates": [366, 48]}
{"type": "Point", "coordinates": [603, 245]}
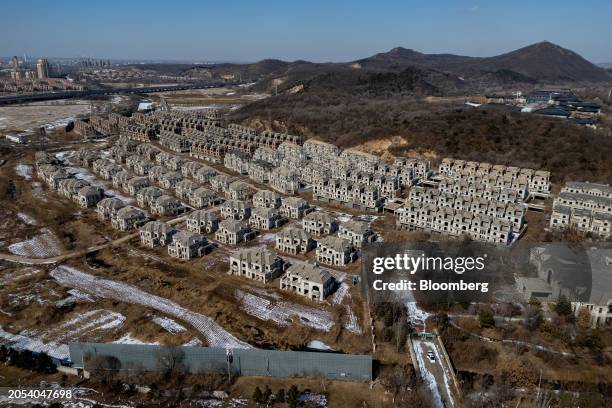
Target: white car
{"type": "Point", "coordinates": [431, 356]}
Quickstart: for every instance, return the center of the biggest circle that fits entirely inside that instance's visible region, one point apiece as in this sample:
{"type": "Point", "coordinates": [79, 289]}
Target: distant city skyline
{"type": "Point", "coordinates": [318, 30]}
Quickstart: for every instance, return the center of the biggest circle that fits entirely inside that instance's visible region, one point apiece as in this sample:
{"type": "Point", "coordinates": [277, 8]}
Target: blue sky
{"type": "Point", "coordinates": [316, 30]}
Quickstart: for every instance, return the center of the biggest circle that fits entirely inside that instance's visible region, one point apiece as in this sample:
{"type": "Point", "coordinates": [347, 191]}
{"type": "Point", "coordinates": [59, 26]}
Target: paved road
{"type": "Point", "coordinates": [47, 96]}
{"type": "Point", "coordinates": [437, 375]}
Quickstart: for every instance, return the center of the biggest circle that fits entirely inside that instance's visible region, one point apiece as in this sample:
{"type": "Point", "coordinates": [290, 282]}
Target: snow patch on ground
{"type": "Point", "coordinates": [82, 173]}
{"type": "Point", "coordinates": [128, 339]}
{"type": "Point", "coordinates": [26, 219]}
{"type": "Point", "coordinates": [88, 322]}
{"type": "Point", "coordinates": [44, 245]}
{"type": "Point", "coordinates": [416, 315]}
{"type": "Point", "coordinates": [195, 342]}
{"type": "Point", "coordinates": [59, 123]}
{"type": "Point", "coordinates": [340, 293]}
{"type": "Point", "coordinates": [19, 274]}
{"type": "Point", "coordinates": [24, 342]}
{"type": "Point", "coordinates": [168, 324]}
{"type": "Point", "coordinates": [427, 376]}
{"type": "Point", "coordinates": [318, 345]}
{"type": "Point", "coordinates": [24, 170]}
{"type": "Point", "coordinates": [75, 296]}
{"type": "Point", "coordinates": [280, 312]}
{"type": "Point", "coordinates": [351, 323]}
{"type": "Point", "coordinates": [267, 237]}
{"type": "Point", "coordinates": [215, 335]}
{"type": "Point", "coordinates": [316, 400]}
{"type": "Point", "coordinates": [342, 217]}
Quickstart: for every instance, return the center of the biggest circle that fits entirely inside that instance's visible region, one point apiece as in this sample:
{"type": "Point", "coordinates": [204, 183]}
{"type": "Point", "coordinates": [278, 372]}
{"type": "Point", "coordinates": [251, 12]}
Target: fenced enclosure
{"type": "Point", "coordinates": [334, 366]}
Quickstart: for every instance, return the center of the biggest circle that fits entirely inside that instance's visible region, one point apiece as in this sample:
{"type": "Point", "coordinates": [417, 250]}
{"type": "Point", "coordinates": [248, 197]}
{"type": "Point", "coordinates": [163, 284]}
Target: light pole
{"type": "Point", "coordinates": [229, 355]}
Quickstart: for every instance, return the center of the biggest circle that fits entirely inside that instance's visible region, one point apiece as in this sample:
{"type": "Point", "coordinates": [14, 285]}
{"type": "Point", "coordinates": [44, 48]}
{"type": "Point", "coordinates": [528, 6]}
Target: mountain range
{"type": "Point", "coordinates": [543, 62]}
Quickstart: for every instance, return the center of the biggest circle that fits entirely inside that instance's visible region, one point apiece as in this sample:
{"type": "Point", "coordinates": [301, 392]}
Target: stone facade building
{"type": "Point", "coordinates": [128, 218]}
{"type": "Point", "coordinates": [156, 233]}
{"type": "Point", "coordinates": [308, 280]}
{"type": "Point", "coordinates": [233, 232]}
{"type": "Point", "coordinates": [256, 264]}
{"type": "Point", "coordinates": [186, 245]}
{"type": "Point", "coordinates": [357, 233]}
{"type": "Point", "coordinates": [335, 251]}
{"type": "Point", "coordinates": [202, 222]}
{"type": "Point", "coordinates": [266, 218]}
{"type": "Point", "coordinates": [266, 199]}
{"type": "Point", "coordinates": [166, 205]}
{"type": "Point", "coordinates": [295, 207]}
{"type": "Point", "coordinates": [203, 197]}
{"type": "Point", "coordinates": [107, 208]}
{"type": "Point", "coordinates": [236, 210]}
{"type": "Point", "coordinates": [294, 241]}
{"type": "Point", "coordinates": [89, 196]}
{"type": "Point", "coordinates": [319, 223]}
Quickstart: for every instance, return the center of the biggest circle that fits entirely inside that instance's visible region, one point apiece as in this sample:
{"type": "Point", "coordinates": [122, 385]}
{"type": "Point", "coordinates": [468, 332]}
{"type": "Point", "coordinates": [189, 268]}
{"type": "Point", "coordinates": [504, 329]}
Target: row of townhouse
{"type": "Point", "coordinates": [457, 223]}
{"type": "Point", "coordinates": [146, 195]}
{"type": "Point", "coordinates": [122, 216]}
{"type": "Point", "coordinates": [136, 132]}
{"type": "Point", "coordinates": [513, 212]}
{"type": "Point", "coordinates": [208, 150]}
{"type": "Point", "coordinates": [388, 185]}
{"type": "Point", "coordinates": [538, 181]}
{"type": "Point", "coordinates": [80, 191]}
{"type": "Point", "coordinates": [184, 188]}
{"type": "Point", "coordinates": [514, 191]}
{"type": "Point", "coordinates": [104, 126]}
{"type": "Point", "coordinates": [176, 143]}
{"type": "Point", "coordinates": [347, 193]}
{"type": "Point", "coordinates": [303, 278]}
{"type": "Point", "coordinates": [85, 129]}
{"type": "Point", "coordinates": [269, 155]}
{"type": "Point", "coordinates": [237, 161]}
{"type": "Point", "coordinates": [584, 207]}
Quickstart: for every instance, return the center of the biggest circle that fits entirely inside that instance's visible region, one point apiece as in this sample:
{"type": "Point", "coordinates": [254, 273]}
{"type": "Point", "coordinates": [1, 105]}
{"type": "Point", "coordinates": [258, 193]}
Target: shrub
{"type": "Point", "coordinates": [486, 319]}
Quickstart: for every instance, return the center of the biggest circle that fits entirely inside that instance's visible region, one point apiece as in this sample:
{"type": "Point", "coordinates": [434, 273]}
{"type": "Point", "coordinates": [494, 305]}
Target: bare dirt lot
{"type": "Point", "coordinates": [31, 116]}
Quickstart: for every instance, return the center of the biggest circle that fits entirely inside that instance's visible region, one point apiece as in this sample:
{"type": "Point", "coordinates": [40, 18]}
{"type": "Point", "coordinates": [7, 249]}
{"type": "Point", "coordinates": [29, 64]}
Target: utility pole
{"type": "Point", "coordinates": [230, 358]}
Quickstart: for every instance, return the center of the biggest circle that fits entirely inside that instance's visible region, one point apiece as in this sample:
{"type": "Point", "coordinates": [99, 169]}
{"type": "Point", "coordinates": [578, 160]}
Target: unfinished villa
{"type": "Point", "coordinates": [357, 233]}
{"type": "Point", "coordinates": [156, 233]}
{"type": "Point", "coordinates": [266, 218]}
{"type": "Point", "coordinates": [256, 264]}
{"type": "Point", "coordinates": [186, 245]}
{"type": "Point", "coordinates": [335, 251]}
{"type": "Point", "coordinates": [236, 210]}
{"type": "Point", "coordinates": [202, 222]}
{"type": "Point", "coordinates": [128, 218]}
{"type": "Point", "coordinates": [294, 207]}
{"type": "Point", "coordinates": [319, 223]}
{"type": "Point", "coordinates": [308, 280]}
{"type": "Point", "coordinates": [294, 241]}
{"type": "Point", "coordinates": [233, 232]}
{"type": "Point", "coordinates": [584, 207]}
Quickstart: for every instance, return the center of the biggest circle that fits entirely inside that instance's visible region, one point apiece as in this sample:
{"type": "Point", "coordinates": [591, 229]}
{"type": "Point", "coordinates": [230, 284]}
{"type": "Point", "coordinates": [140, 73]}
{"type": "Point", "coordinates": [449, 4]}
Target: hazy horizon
{"type": "Point", "coordinates": [317, 31]}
